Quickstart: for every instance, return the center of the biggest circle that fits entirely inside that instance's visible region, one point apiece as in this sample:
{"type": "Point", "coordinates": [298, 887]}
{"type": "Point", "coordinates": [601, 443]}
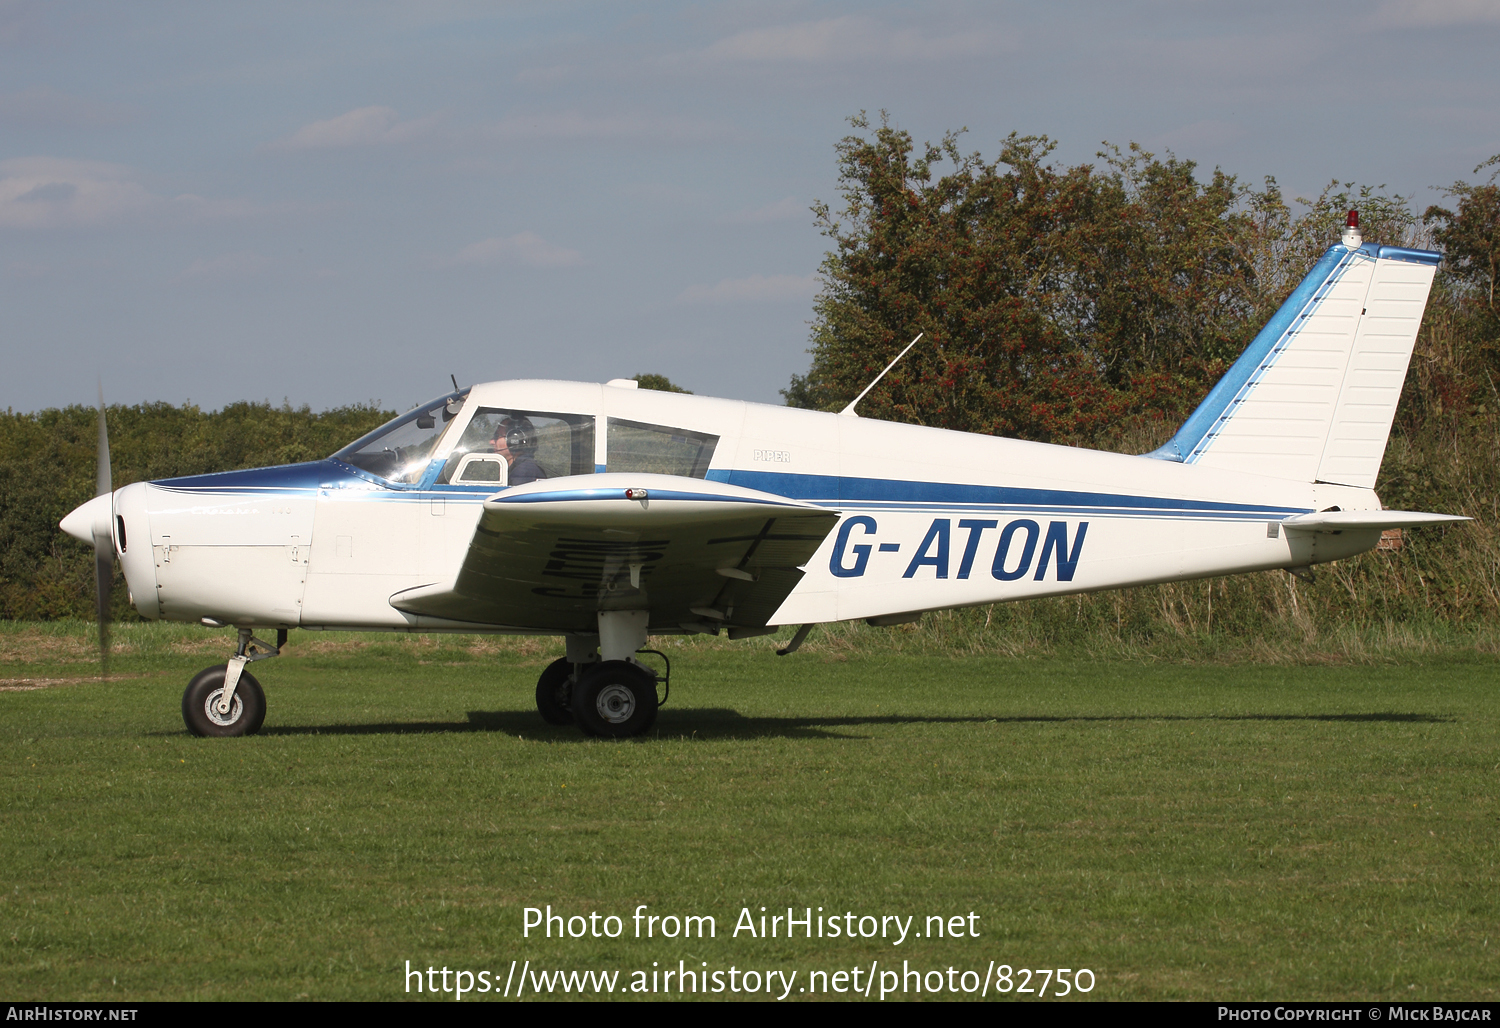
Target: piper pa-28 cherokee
{"type": "Point", "coordinates": [606, 514]}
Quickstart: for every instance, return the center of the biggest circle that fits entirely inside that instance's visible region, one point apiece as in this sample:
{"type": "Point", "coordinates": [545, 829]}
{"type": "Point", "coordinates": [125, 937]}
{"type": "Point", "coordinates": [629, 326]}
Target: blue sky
{"type": "Point", "coordinates": [341, 202]}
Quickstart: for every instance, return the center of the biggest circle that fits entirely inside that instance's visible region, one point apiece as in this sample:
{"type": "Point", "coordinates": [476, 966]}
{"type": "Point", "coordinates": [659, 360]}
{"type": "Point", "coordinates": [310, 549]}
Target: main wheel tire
{"type": "Point", "coordinates": [200, 704]}
{"type": "Point", "coordinates": [554, 692]}
{"type": "Point", "coordinates": [615, 700]}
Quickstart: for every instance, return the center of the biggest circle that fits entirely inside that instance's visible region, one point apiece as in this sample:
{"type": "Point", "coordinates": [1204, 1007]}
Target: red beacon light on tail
{"type": "Point", "coordinates": [1352, 237]}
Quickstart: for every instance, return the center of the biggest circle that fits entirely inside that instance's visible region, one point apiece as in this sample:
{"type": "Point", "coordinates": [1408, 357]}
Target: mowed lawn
{"type": "Point", "coordinates": [1183, 831]}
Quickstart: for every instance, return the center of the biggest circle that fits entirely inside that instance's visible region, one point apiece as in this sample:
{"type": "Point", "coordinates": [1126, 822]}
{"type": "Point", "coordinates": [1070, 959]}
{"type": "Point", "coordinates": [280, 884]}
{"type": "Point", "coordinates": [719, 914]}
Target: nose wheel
{"type": "Point", "coordinates": [201, 703]}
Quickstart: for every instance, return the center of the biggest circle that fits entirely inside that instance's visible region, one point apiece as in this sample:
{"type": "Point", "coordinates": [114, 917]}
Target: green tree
{"type": "Point", "coordinates": [1285, 244]}
{"type": "Point", "coordinates": [1470, 237]}
{"type": "Point", "coordinates": [47, 468]}
{"type": "Point", "coordinates": [661, 383]}
{"type": "Point", "coordinates": [1057, 303]}
{"type": "Point", "coordinates": [1454, 372]}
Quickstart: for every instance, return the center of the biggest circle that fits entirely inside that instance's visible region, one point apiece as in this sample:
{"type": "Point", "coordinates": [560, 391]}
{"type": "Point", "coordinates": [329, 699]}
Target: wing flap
{"type": "Point", "coordinates": [550, 555]}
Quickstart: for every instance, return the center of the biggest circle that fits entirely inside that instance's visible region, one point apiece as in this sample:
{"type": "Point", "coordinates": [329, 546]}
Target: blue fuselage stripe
{"type": "Point", "coordinates": [850, 494]}
{"type": "Point", "coordinates": [856, 492]}
{"type": "Point", "coordinates": [581, 495]}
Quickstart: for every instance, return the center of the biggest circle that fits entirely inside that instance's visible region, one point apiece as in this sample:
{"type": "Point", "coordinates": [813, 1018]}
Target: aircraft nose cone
{"type": "Point", "coordinates": [89, 518]}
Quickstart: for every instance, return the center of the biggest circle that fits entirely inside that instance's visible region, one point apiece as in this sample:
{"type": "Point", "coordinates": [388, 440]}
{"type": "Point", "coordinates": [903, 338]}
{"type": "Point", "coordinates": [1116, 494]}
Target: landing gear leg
{"type": "Point", "coordinates": [226, 700]}
{"type": "Point", "coordinates": [616, 698]}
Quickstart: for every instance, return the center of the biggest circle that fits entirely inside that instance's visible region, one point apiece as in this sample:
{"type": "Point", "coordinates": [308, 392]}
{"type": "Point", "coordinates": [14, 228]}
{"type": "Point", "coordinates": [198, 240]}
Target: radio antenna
{"type": "Point", "coordinates": [849, 410]}
{"type": "Point", "coordinates": [455, 381]}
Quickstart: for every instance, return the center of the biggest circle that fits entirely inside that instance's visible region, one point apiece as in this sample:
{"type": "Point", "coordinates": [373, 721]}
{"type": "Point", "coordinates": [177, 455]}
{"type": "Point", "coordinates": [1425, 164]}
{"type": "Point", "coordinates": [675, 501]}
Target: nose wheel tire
{"type": "Point", "coordinates": [615, 700]}
{"type": "Point", "coordinates": [200, 704]}
{"type": "Point", "coordinates": [554, 692]}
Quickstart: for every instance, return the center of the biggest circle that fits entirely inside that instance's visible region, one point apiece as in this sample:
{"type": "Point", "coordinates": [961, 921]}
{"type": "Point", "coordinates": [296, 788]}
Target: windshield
{"type": "Point", "coordinates": [399, 450]}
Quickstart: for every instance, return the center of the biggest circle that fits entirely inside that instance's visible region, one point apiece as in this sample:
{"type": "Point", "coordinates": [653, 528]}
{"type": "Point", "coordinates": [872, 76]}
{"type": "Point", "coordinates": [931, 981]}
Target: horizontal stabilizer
{"type": "Point", "coordinates": [1342, 520]}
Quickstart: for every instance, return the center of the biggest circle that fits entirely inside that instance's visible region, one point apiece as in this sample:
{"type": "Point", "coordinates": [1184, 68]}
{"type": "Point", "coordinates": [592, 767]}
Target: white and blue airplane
{"type": "Point", "coordinates": [606, 514]}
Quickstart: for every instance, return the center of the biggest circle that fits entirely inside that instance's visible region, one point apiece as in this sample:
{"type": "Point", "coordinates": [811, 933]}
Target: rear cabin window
{"type": "Point", "coordinates": [536, 445]}
{"type": "Point", "coordinates": [659, 450]}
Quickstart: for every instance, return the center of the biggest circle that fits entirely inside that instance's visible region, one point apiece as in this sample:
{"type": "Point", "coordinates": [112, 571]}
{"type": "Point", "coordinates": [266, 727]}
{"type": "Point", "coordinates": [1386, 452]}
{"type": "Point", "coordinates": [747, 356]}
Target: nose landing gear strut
{"type": "Point", "coordinates": [226, 700]}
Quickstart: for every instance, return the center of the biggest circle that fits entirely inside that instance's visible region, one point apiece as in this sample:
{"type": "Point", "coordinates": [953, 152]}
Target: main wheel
{"type": "Point", "coordinates": [615, 699]}
{"type": "Point", "coordinates": [200, 704]}
{"type": "Point", "coordinates": [554, 692]}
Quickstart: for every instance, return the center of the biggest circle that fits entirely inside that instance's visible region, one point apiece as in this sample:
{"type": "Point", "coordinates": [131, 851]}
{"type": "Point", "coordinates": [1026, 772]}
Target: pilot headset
{"type": "Point", "coordinates": [520, 435]}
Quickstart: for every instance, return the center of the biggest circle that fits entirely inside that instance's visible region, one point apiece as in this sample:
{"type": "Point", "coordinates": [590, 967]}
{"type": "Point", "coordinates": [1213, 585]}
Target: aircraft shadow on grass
{"type": "Point", "coordinates": [722, 723]}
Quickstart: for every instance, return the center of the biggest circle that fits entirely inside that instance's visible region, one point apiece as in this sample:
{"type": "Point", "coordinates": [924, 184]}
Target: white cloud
{"type": "Point", "coordinates": [1435, 13]}
{"type": "Point", "coordinates": [625, 127]}
{"type": "Point", "coordinates": [366, 126]}
{"type": "Point", "coordinates": [849, 38]}
{"type": "Point", "coordinates": [526, 248]}
{"type": "Point", "coordinates": [755, 289]}
{"type": "Point", "coordinates": [54, 192]}
{"type": "Point", "coordinates": [45, 192]}
{"type": "Point", "coordinates": [781, 210]}
{"type": "Point", "coordinates": [226, 267]}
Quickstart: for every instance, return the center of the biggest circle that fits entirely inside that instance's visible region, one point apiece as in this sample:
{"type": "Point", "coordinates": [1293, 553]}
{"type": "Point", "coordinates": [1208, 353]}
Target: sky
{"type": "Point", "coordinates": [336, 203]}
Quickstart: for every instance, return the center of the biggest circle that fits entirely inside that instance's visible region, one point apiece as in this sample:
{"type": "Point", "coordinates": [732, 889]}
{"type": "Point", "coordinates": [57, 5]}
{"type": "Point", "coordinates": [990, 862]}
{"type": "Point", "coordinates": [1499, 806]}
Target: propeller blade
{"type": "Point", "coordinates": [104, 549]}
{"type": "Point", "coordinates": [104, 482]}
{"type": "Point", "coordinates": [104, 579]}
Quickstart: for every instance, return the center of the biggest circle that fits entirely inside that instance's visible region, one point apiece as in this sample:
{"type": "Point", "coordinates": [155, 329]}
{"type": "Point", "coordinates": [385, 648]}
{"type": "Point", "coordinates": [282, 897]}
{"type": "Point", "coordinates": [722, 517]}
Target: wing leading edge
{"type": "Point", "coordinates": [696, 554]}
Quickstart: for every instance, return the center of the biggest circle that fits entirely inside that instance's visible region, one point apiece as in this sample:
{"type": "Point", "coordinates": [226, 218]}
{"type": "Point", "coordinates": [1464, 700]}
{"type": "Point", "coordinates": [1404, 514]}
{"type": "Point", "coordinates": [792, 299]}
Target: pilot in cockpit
{"type": "Point", "coordinates": [515, 440]}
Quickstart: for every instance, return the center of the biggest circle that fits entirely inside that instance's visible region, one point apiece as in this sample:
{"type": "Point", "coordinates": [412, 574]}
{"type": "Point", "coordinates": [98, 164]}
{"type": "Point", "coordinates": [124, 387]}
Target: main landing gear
{"type": "Point", "coordinates": [226, 700]}
{"type": "Point", "coordinates": [599, 685]}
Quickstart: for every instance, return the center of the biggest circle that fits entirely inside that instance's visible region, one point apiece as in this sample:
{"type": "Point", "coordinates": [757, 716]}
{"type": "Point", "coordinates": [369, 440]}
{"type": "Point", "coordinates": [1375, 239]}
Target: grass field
{"type": "Point", "coordinates": [1201, 830]}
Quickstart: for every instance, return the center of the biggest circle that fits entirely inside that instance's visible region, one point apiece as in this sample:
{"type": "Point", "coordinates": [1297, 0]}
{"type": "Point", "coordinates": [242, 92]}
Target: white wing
{"type": "Point", "coordinates": [550, 555]}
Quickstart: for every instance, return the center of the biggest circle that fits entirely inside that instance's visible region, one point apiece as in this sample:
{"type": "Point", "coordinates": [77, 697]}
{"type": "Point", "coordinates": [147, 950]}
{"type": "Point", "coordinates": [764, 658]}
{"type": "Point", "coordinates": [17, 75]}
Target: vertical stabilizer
{"type": "Point", "coordinates": [1313, 395]}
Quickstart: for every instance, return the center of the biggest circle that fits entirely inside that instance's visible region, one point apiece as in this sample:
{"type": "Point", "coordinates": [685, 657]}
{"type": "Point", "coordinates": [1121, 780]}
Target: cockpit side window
{"type": "Point", "coordinates": [658, 449]}
{"type": "Point", "coordinates": [399, 450]}
{"type": "Point", "coordinates": [536, 445]}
